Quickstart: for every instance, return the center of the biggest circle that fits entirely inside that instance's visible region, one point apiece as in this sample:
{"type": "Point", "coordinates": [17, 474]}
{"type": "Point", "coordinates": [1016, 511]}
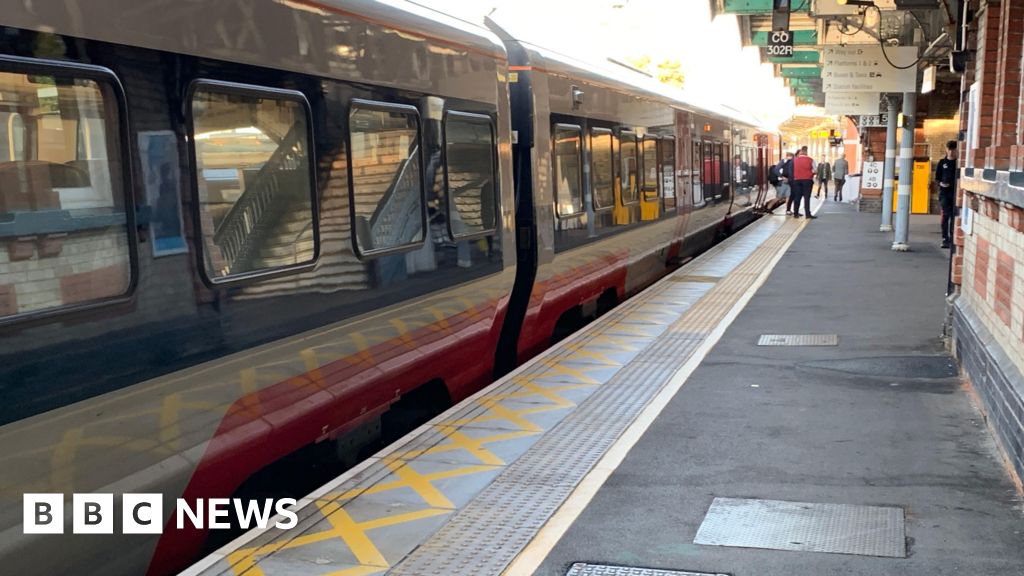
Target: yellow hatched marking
{"type": "Point", "coordinates": [313, 377]}
{"type": "Point", "coordinates": [441, 324]}
{"type": "Point", "coordinates": [403, 334]}
{"type": "Point", "coordinates": [170, 416]}
{"type": "Point", "coordinates": [563, 370]}
{"type": "Point", "coordinates": [619, 342]}
{"type": "Point", "coordinates": [250, 400]}
{"type": "Point", "coordinates": [471, 310]}
{"type": "Point", "coordinates": [62, 461]}
{"type": "Point", "coordinates": [378, 488]}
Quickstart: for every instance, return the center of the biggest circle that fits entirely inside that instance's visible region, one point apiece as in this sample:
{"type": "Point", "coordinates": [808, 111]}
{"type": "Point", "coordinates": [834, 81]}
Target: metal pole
{"type": "Point", "coordinates": [889, 168]}
{"type": "Point", "coordinates": [906, 174]}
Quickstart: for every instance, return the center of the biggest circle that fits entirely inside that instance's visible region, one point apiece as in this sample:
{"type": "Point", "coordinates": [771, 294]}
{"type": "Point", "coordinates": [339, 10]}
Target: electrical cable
{"type": "Point", "coordinates": [882, 44]}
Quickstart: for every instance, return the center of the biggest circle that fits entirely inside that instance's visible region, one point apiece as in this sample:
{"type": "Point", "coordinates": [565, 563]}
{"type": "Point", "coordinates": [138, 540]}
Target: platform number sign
{"type": "Point", "coordinates": [780, 44]}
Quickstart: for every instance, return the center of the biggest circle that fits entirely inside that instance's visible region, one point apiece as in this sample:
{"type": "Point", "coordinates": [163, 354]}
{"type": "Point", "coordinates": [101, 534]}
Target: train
{"type": "Point", "coordinates": [243, 239]}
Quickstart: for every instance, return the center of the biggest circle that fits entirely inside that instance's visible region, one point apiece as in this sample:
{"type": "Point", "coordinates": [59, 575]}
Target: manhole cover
{"type": "Point", "coordinates": [778, 525]}
{"type": "Point", "coordinates": [798, 340]}
{"type": "Point", "coordinates": [584, 569]}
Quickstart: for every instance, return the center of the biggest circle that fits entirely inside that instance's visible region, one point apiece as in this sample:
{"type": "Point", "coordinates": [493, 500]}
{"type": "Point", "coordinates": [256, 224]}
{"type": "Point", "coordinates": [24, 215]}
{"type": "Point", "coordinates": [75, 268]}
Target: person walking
{"type": "Point", "coordinates": [840, 168]}
{"type": "Point", "coordinates": [946, 175]}
{"type": "Point", "coordinates": [803, 178]}
{"type": "Point", "coordinates": [824, 173]}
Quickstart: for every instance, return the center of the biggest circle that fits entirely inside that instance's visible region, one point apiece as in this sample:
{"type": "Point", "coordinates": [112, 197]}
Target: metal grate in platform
{"type": "Point", "coordinates": [802, 526]}
{"type": "Point", "coordinates": [798, 340]}
{"type": "Point", "coordinates": [585, 569]}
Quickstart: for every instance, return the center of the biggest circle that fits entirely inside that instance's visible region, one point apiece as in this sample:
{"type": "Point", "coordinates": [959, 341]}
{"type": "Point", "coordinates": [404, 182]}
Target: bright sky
{"type": "Point", "coordinates": [716, 66]}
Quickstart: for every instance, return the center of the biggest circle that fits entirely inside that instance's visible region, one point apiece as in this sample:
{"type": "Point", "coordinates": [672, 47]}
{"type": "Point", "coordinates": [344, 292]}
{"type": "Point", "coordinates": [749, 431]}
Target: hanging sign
{"type": "Point", "coordinates": [873, 121]}
{"type": "Point", "coordinates": [865, 68]}
{"type": "Point", "coordinates": [780, 44]}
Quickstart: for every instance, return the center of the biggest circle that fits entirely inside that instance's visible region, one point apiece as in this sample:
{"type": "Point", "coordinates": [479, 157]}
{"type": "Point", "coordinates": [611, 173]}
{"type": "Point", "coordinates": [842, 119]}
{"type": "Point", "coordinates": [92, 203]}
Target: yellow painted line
{"type": "Point", "coordinates": [355, 538]}
{"type": "Point", "coordinates": [421, 485]}
{"type": "Point", "coordinates": [403, 334]}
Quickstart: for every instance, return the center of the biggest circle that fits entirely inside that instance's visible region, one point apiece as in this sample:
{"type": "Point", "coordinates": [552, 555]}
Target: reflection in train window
{"type": "Point", "coordinates": [627, 167]}
{"type": "Point", "coordinates": [568, 166]}
{"type": "Point", "coordinates": [469, 169]}
{"type": "Point", "coordinates": [650, 163]}
{"type": "Point", "coordinates": [64, 236]}
{"type": "Point", "coordinates": [602, 165]}
{"type": "Point", "coordinates": [253, 178]}
{"type": "Point", "coordinates": [387, 180]}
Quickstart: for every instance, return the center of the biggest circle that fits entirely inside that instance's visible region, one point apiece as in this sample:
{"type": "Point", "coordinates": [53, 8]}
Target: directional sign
{"type": "Point", "coordinates": [873, 121]}
{"type": "Point", "coordinates": [780, 44]}
{"type": "Point", "coordinates": [851, 103]}
{"type": "Point", "coordinates": [864, 68]}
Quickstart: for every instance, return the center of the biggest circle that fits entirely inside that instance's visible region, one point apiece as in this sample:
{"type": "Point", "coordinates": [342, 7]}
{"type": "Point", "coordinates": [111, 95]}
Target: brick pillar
{"type": "Point", "coordinates": [1001, 153]}
{"type": "Point", "coordinates": [986, 65]}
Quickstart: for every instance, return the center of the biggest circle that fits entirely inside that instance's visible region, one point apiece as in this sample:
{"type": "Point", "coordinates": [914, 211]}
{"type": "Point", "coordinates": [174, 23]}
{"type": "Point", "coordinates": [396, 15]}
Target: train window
{"type": "Point", "coordinates": [628, 167]}
{"type": "Point", "coordinates": [602, 164]}
{"type": "Point", "coordinates": [649, 148]}
{"type": "Point", "coordinates": [254, 181]}
{"type": "Point", "coordinates": [65, 229]}
{"type": "Point", "coordinates": [667, 152]}
{"type": "Point", "coordinates": [388, 212]}
{"type": "Point", "coordinates": [469, 174]}
{"type": "Point", "coordinates": [568, 167]}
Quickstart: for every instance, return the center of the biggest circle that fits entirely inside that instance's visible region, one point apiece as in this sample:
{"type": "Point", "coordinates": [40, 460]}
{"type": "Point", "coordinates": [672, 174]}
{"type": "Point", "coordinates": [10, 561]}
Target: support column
{"type": "Point", "coordinates": [901, 244]}
{"type": "Point", "coordinates": [889, 167]}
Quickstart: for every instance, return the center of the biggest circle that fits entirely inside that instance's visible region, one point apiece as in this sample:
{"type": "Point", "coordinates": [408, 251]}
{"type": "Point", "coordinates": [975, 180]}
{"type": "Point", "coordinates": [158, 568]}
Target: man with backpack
{"type": "Point", "coordinates": [786, 176]}
{"type": "Point", "coordinates": [777, 182]}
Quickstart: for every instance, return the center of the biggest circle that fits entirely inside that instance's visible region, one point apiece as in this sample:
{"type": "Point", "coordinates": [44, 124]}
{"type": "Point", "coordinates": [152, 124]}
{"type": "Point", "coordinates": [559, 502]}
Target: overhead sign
{"type": "Point", "coordinates": [864, 68]}
{"type": "Point", "coordinates": [850, 103]}
{"type": "Point", "coordinates": [780, 44]}
{"type": "Point", "coordinates": [873, 121]}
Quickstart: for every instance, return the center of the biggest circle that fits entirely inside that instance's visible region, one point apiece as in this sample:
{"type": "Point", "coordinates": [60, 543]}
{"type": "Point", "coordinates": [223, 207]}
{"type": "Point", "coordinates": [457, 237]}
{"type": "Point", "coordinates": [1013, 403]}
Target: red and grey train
{"type": "Point", "coordinates": [238, 239]}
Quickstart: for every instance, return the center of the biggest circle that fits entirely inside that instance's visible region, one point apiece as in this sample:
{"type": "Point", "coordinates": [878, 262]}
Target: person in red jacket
{"type": "Point", "coordinates": [803, 179]}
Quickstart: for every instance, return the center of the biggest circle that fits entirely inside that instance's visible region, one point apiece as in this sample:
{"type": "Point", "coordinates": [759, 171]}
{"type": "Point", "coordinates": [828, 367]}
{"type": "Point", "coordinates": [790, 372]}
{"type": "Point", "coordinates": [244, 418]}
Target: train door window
{"type": "Point", "coordinates": [469, 174]}
{"type": "Point", "coordinates": [628, 172]}
{"type": "Point", "coordinates": [65, 229]}
{"type": "Point", "coordinates": [388, 212]}
{"type": "Point", "coordinates": [254, 180]}
{"type": "Point", "coordinates": [602, 164]}
{"type": "Point", "coordinates": [710, 175]}
{"type": "Point", "coordinates": [697, 173]}
{"type": "Point", "coordinates": [667, 152]}
{"type": "Point", "coordinates": [568, 167]}
{"type": "Point", "coordinates": [649, 148]}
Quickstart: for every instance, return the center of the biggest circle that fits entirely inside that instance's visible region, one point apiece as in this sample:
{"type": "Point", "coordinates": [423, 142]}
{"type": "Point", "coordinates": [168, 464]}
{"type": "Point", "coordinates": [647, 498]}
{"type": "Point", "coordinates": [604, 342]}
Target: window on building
{"type": "Point", "coordinates": [253, 178]}
{"type": "Point", "coordinates": [568, 167]}
{"type": "Point", "coordinates": [387, 178]}
{"type": "Point", "coordinates": [469, 166]}
{"type": "Point", "coordinates": [64, 227]}
{"type": "Point", "coordinates": [602, 164]}
{"type": "Point", "coordinates": [628, 167]}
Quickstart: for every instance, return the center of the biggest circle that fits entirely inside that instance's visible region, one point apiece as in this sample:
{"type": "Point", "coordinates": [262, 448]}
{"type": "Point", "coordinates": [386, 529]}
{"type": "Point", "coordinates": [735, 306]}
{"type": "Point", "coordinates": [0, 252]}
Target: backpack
{"type": "Point", "coordinates": [773, 175]}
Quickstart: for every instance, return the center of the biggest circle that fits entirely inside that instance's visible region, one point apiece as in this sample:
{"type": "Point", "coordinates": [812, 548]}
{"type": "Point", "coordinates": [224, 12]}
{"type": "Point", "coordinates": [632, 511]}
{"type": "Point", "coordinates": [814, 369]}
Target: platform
{"type": "Point", "coordinates": [781, 405]}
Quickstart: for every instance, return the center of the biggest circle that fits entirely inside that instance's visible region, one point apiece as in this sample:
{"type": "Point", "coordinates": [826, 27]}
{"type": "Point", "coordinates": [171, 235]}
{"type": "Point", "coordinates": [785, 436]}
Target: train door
{"type": "Point", "coordinates": [649, 205]}
{"type": "Point", "coordinates": [697, 173]}
{"type": "Point", "coordinates": [667, 154]}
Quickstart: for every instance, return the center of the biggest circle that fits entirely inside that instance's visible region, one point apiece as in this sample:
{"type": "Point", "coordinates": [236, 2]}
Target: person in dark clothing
{"type": "Point", "coordinates": [946, 175]}
{"type": "Point", "coordinates": [787, 177]}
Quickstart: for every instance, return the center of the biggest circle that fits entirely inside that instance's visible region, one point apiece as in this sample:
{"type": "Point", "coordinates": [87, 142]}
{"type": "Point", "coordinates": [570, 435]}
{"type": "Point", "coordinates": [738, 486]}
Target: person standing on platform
{"type": "Point", "coordinates": [803, 179]}
{"type": "Point", "coordinates": [946, 175]}
{"type": "Point", "coordinates": [824, 173]}
{"type": "Point", "coordinates": [840, 168]}
{"type": "Point", "coordinates": [786, 171]}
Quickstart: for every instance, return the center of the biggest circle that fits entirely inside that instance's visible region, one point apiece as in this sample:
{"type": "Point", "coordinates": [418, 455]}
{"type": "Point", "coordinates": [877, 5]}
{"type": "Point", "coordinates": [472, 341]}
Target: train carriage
{"type": "Point", "coordinates": [243, 242]}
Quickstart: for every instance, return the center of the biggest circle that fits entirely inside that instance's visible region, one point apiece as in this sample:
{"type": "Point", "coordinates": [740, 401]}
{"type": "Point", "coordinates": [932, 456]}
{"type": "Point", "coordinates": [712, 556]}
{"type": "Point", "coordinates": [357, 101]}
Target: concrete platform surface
{"type": "Point", "coordinates": [878, 420]}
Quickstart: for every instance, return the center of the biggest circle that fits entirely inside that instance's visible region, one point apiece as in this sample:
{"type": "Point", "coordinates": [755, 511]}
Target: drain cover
{"type": "Point", "coordinates": [777, 525]}
{"type": "Point", "coordinates": [584, 569]}
{"type": "Point", "coordinates": [798, 340]}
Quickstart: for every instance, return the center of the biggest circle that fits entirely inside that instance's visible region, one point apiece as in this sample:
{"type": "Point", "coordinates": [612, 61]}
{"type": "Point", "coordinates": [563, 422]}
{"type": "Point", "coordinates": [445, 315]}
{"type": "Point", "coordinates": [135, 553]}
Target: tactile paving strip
{"type": "Point", "coordinates": [584, 569]}
{"type": "Point", "coordinates": [798, 340]}
{"type": "Point", "coordinates": [802, 526]}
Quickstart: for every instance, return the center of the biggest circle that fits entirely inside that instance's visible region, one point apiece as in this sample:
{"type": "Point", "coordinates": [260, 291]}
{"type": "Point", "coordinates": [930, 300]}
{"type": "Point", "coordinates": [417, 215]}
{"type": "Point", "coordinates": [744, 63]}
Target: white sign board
{"type": "Point", "coordinates": [873, 121]}
{"type": "Point", "coordinates": [851, 103]}
{"type": "Point", "coordinates": [864, 68]}
{"type": "Point", "coordinates": [833, 8]}
{"type": "Point", "coordinates": [871, 177]}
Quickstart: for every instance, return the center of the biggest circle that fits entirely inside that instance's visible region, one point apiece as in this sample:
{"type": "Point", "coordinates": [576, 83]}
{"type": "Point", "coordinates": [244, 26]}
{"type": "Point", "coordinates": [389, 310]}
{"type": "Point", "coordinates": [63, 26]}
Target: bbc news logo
{"type": "Point", "coordinates": [143, 513]}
